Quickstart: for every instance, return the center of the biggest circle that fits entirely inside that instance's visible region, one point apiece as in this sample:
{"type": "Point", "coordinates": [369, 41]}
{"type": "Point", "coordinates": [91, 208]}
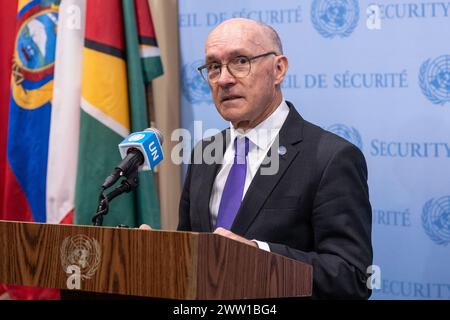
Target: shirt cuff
{"type": "Point", "coordinates": [262, 245]}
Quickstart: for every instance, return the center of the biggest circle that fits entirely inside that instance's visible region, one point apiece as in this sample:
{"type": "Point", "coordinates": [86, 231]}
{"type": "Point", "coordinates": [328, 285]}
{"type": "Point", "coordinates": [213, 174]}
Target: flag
{"type": "Point", "coordinates": [7, 36]}
{"type": "Point", "coordinates": [24, 196]}
{"type": "Point", "coordinates": [65, 117]}
{"type": "Point", "coordinates": [143, 64]}
{"type": "Point", "coordinates": [77, 88]}
{"type": "Point", "coordinates": [148, 45]}
{"type": "Point", "coordinates": [112, 85]}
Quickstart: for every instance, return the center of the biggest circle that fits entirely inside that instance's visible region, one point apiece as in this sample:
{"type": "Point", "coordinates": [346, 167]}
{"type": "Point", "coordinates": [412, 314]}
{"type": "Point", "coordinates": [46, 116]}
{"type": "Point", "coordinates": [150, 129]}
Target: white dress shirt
{"type": "Point", "coordinates": [261, 139]}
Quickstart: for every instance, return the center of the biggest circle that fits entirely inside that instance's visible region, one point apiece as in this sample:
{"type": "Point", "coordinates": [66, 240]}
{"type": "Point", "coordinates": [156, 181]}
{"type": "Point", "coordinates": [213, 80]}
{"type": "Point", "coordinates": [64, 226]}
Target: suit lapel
{"type": "Point", "coordinates": [262, 185]}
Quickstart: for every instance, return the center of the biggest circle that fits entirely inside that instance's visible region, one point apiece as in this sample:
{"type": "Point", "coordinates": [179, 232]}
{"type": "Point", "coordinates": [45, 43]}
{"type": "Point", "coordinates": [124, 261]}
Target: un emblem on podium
{"type": "Point", "coordinates": [350, 134]}
{"type": "Point", "coordinates": [434, 79]}
{"type": "Point", "coordinates": [436, 220]}
{"type": "Point", "coordinates": [80, 258]}
{"type": "Point", "coordinates": [335, 17]}
{"type": "Point", "coordinates": [194, 88]}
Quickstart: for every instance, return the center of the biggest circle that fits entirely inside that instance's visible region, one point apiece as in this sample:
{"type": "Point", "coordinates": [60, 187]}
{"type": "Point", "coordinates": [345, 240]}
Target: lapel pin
{"type": "Point", "coordinates": [282, 150]}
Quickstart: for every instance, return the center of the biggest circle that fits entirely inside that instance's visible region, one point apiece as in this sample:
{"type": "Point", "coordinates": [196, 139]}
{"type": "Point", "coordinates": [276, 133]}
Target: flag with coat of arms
{"type": "Point", "coordinates": [77, 87]}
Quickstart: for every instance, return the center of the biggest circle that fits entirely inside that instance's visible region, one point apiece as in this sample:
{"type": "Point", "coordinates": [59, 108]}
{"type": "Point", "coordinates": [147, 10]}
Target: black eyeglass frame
{"type": "Point", "coordinates": [250, 59]}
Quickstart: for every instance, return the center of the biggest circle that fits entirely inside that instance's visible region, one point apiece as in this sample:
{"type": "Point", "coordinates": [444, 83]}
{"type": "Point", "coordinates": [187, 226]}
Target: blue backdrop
{"type": "Point", "coordinates": [378, 74]}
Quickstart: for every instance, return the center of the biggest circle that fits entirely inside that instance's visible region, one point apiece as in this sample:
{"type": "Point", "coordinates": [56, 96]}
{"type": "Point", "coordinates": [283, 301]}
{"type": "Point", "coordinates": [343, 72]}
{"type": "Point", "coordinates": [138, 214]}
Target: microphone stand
{"type": "Point", "coordinates": [126, 186]}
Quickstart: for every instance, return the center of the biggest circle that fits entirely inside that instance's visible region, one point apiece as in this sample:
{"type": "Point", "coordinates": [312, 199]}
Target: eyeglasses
{"type": "Point", "coordinates": [238, 67]}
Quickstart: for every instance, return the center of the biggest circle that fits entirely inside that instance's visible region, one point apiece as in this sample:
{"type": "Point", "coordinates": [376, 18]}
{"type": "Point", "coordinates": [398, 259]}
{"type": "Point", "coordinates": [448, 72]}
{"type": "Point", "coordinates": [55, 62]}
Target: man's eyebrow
{"type": "Point", "coordinates": [234, 53]}
{"type": "Point", "coordinates": [210, 58]}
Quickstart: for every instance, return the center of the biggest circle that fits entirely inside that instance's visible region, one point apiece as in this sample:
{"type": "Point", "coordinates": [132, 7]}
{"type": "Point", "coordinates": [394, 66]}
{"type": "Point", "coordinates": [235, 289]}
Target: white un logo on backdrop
{"type": "Point", "coordinates": [434, 79]}
{"type": "Point", "coordinates": [436, 220]}
{"type": "Point", "coordinates": [194, 88]}
{"type": "Point", "coordinates": [335, 17]}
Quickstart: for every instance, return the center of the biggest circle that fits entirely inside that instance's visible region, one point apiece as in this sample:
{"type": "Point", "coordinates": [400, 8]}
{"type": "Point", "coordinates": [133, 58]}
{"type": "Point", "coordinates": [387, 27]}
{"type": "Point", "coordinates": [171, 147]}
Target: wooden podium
{"type": "Point", "coordinates": [142, 263]}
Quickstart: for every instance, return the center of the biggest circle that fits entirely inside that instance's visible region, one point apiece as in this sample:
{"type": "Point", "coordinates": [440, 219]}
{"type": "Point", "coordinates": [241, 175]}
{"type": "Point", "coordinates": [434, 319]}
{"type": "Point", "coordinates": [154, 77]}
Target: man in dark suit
{"type": "Point", "coordinates": [315, 206]}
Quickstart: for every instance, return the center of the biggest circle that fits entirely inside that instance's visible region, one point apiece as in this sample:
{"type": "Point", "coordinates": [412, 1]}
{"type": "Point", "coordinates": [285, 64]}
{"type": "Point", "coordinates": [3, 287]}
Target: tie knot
{"type": "Point", "coordinates": [241, 147]}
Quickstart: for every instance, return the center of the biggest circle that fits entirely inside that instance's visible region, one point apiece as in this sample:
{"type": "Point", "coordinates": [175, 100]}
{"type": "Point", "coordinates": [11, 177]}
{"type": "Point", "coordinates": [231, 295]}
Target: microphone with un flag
{"type": "Point", "coordinates": [140, 150]}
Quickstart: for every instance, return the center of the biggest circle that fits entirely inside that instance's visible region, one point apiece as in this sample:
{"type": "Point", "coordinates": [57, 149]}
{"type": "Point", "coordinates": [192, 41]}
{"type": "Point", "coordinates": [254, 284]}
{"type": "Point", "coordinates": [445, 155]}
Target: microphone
{"type": "Point", "coordinates": [139, 151]}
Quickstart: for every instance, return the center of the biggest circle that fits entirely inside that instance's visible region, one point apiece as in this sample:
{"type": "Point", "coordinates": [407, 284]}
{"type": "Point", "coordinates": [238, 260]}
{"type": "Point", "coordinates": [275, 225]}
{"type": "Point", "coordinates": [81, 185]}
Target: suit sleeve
{"type": "Point", "coordinates": [341, 222]}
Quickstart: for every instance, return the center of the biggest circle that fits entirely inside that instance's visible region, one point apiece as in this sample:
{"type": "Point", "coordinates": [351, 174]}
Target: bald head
{"type": "Point", "coordinates": [260, 33]}
{"type": "Point", "coordinates": [248, 89]}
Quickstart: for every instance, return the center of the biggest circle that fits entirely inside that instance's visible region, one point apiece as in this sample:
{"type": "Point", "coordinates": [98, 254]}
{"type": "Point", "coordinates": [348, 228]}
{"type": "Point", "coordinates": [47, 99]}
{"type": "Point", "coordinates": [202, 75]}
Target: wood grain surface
{"type": "Point", "coordinates": [160, 264]}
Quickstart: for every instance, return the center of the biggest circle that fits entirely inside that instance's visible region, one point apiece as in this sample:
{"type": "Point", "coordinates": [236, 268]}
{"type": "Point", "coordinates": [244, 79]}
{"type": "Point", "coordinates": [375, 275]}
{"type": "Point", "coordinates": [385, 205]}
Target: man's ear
{"type": "Point", "coordinates": [281, 68]}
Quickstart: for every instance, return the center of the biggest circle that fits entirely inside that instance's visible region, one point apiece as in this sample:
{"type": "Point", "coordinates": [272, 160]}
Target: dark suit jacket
{"type": "Point", "coordinates": [315, 209]}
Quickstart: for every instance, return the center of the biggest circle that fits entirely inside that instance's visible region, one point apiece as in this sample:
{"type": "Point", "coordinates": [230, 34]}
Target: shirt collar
{"type": "Point", "coordinates": [264, 133]}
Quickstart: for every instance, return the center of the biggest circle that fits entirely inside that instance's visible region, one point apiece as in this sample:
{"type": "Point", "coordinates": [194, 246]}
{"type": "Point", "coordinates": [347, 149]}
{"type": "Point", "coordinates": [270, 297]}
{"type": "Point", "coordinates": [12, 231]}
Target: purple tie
{"type": "Point", "coordinates": [234, 186]}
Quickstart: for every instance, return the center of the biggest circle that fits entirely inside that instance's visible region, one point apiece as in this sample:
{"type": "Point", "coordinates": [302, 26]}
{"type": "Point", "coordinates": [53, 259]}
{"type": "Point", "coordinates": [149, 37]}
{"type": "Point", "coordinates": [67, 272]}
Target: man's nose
{"type": "Point", "coordinates": [225, 77]}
